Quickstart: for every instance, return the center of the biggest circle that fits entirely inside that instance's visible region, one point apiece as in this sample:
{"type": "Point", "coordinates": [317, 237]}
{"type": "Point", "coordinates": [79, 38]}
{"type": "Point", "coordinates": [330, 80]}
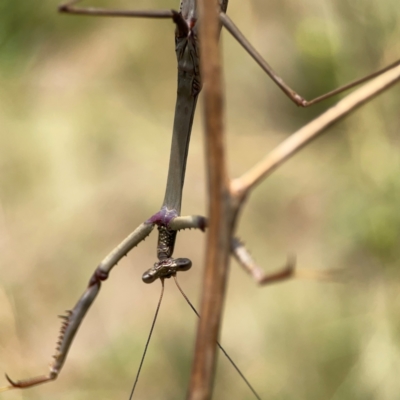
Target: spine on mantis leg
{"type": "Point", "coordinates": [73, 318]}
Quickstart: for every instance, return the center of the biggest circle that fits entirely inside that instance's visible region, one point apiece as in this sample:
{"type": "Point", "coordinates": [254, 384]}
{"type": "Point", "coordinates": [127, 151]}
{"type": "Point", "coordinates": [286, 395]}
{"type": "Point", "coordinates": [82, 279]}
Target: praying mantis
{"type": "Point", "coordinates": [172, 199]}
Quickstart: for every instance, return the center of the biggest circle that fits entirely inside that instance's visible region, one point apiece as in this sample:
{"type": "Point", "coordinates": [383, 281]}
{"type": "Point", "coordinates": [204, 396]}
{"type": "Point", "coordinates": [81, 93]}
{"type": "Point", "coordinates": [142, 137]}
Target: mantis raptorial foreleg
{"type": "Point", "coordinates": [74, 317]}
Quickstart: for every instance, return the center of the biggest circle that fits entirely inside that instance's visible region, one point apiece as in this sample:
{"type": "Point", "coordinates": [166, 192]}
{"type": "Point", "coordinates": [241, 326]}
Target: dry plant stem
{"type": "Point", "coordinates": [241, 186]}
{"type": "Point", "coordinates": [218, 238]}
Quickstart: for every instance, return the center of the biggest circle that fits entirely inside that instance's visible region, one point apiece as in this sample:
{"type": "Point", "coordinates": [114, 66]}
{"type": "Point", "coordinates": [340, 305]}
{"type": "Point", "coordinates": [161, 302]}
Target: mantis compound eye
{"type": "Point", "coordinates": [166, 268]}
{"type": "Point", "coordinates": [183, 264]}
{"type": "Point", "coordinates": [149, 276]}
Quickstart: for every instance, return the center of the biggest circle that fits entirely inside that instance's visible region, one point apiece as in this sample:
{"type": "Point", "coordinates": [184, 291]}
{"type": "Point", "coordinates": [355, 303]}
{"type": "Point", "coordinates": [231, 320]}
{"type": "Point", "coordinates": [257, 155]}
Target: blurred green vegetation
{"type": "Point", "coordinates": [86, 109]}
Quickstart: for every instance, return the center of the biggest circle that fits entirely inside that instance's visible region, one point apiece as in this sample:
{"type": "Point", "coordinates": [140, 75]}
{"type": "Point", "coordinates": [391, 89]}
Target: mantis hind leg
{"type": "Point", "coordinates": [293, 95]}
{"type": "Point", "coordinates": [70, 8]}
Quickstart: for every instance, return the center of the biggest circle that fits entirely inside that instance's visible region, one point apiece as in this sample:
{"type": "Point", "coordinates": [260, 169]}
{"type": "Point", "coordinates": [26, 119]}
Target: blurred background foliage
{"type": "Point", "coordinates": [86, 109]}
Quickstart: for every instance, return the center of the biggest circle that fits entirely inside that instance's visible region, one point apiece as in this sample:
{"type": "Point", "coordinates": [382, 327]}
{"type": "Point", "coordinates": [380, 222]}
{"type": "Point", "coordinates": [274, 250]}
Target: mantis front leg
{"type": "Point", "coordinates": [164, 268]}
{"type": "Point", "coordinates": [74, 317]}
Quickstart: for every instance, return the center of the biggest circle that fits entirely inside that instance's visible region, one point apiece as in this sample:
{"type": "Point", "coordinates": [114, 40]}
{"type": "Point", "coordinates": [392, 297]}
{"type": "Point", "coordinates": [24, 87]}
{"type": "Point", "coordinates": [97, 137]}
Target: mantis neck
{"type": "Point", "coordinates": [189, 86]}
